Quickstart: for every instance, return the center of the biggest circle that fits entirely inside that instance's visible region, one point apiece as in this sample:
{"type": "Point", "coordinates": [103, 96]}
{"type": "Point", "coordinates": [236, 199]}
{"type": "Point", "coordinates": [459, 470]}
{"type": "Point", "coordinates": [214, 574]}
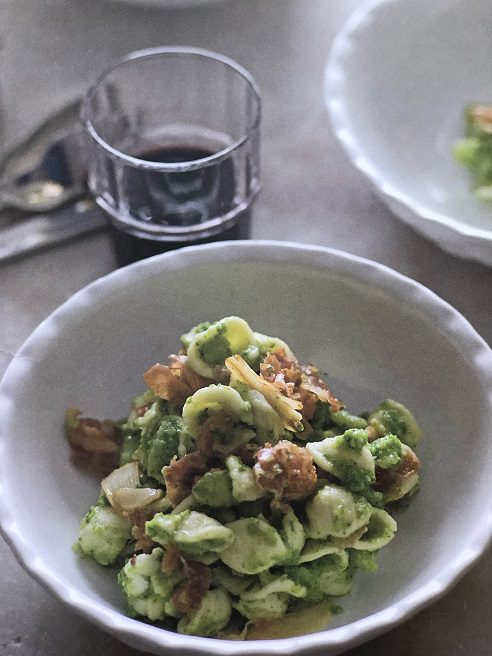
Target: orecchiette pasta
{"type": "Point", "coordinates": [245, 491]}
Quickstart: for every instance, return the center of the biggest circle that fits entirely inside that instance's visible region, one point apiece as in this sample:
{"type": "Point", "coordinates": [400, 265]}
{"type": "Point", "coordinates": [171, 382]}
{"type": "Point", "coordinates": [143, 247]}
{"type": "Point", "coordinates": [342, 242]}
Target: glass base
{"type": "Point", "coordinates": [128, 248]}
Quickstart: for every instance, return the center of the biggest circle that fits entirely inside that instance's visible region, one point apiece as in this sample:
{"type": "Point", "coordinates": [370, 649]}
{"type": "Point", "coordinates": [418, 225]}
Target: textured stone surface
{"type": "Point", "coordinates": [50, 51]}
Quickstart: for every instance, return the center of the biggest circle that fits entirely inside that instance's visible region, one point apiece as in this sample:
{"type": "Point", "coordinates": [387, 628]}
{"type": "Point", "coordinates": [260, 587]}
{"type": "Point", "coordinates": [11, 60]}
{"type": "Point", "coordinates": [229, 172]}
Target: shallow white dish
{"type": "Point", "coordinates": [398, 77]}
{"type": "Point", "coordinates": [376, 333]}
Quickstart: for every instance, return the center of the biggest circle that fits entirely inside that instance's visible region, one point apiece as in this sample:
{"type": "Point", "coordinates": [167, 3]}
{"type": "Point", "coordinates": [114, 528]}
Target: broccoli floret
{"type": "Point", "coordinates": [146, 587]}
{"type": "Point", "coordinates": [321, 418]}
{"type": "Point", "coordinates": [159, 443]}
{"type": "Point", "coordinates": [354, 438]}
{"type": "Point", "coordinates": [103, 534]}
{"type": "Point", "coordinates": [375, 498]}
{"type": "Point", "coordinates": [354, 478]}
{"type": "Point", "coordinates": [386, 451]}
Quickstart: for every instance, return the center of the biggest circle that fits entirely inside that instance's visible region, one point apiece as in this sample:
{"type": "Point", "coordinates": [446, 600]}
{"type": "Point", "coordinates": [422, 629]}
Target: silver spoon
{"type": "Point", "coordinates": [48, 169]}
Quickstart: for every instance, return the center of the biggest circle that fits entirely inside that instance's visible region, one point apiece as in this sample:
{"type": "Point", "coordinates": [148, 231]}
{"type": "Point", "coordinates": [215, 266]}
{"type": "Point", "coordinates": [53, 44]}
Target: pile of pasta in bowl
{"type": "Point", "coordinates": [240, 496]}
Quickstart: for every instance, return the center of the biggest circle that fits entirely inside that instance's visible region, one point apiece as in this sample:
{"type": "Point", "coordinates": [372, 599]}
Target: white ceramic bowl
{"type": "Point", "coordinates": [398, 77]}
{"type": "Point", "coordinates": [169, 4]}
{"type": "Point", "coordinates": [375, 333]}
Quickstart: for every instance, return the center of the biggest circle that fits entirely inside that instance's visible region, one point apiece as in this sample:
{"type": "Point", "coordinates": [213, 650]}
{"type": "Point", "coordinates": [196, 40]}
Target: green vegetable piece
{"type": "Point", "coordinates": [257, 546]}
{"type": "Point", "coordinates": [354, 438]}
{"type": "Point", "coordinates": [214, 489]}
{"type": "Point", "coordinates": [345, 420]}
{"type": "Point", "coordinates": [386, 451]}
{"type": "Point", "coordinates": [157, 447]}
{"type": "Point", "coordinates": [364, 560]}
{"type": "Point", "coordinates": [194, 533]}
{"type": "Point", "coordinates": [475, 151]}
{"type": "Point", "coordinates": [395, 418]}
{"type": "Point", "coordinates": [244, 485]}
{"type": "Point", "coordinates": [375, 498]}
{"type": "Point", "coordinates": [322, 417]}
{"type": "Point", "coordinates": [103, 534]}
{"type": "Point", "coordinates": [146, 587]}
{"type": "Point", "coordinates": [212, 615]}
{"type": "Point", "coordinates": [336, 511]}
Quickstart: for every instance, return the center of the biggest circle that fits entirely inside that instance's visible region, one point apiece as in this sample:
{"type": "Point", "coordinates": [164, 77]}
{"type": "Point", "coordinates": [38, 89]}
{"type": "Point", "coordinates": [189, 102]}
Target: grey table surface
{"type": "Point", "coordinates": [50, 50]}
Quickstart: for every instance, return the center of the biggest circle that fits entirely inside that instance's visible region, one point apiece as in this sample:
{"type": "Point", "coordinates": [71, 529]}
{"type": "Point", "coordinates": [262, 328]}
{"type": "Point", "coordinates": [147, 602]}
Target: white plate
{"type": "Point", "coordinates": [398, 77]}
{"type": "Point", "coordinates": [376, 333]}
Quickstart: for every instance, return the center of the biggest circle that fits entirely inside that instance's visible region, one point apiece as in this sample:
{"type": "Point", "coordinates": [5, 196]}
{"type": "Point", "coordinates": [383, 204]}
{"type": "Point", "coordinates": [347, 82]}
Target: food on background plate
{"type": "Point", "coordinates": [240, 496]}
{"type": "Point", "coordinates": [475, 150]}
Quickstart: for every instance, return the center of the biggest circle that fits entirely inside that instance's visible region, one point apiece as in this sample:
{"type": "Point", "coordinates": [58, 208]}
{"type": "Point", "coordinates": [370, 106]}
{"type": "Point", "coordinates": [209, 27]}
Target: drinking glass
{"type": "Point", "coordinates": [173, 149]}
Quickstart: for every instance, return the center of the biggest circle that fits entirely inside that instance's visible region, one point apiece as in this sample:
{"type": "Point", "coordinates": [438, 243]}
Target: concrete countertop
{"type": "Point", "coordinates": [50, 51]}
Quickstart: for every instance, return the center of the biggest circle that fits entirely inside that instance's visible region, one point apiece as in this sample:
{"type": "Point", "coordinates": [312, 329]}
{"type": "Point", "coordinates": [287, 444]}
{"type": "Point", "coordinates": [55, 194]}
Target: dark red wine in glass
{"type": "Point", "coordinates": [178, 199]}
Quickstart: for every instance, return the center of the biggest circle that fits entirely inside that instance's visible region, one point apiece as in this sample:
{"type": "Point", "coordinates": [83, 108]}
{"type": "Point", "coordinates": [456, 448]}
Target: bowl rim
{"type": "Point", "coordinates": [338, 110]}
{"type": "Point", "coordinates": [139, 634]}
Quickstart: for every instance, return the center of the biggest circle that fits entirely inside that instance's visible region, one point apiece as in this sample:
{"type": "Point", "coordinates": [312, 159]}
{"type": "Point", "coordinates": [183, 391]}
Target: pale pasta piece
{"type": "Point", "coordinates": [353, 466]}
{"type": "Point", "coordinates": [212, 615]}
{"type": "Point", "coordinates": [380, 530]}
{"type": "Point", "coordinates": [243, 479]}
{"type": "Point", "coordinates": [268, 423]}
{"type": "Point", "coordinates": [314, 549]}
{"type": "Point", "coordinates": [193, 533]}
{"type": "Point", "coordinates": [219, 341]}
{"type": "Point", "coordinates": [269, 599]}
{"type": "Point", "coordinates": [329, 453]}
{"type": "Point", "coordinates": [257, 546]}
{"type": "Point", "coordinates": [270, 607]}
{"type": "Point", "coordinates": [292, 533]}
{"type": "Point", "coordinates": [336, 511]}
{"type": "Point", "coordinates": [268, 344]}
{"type": "Point", "coordinates": [209, 401]}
